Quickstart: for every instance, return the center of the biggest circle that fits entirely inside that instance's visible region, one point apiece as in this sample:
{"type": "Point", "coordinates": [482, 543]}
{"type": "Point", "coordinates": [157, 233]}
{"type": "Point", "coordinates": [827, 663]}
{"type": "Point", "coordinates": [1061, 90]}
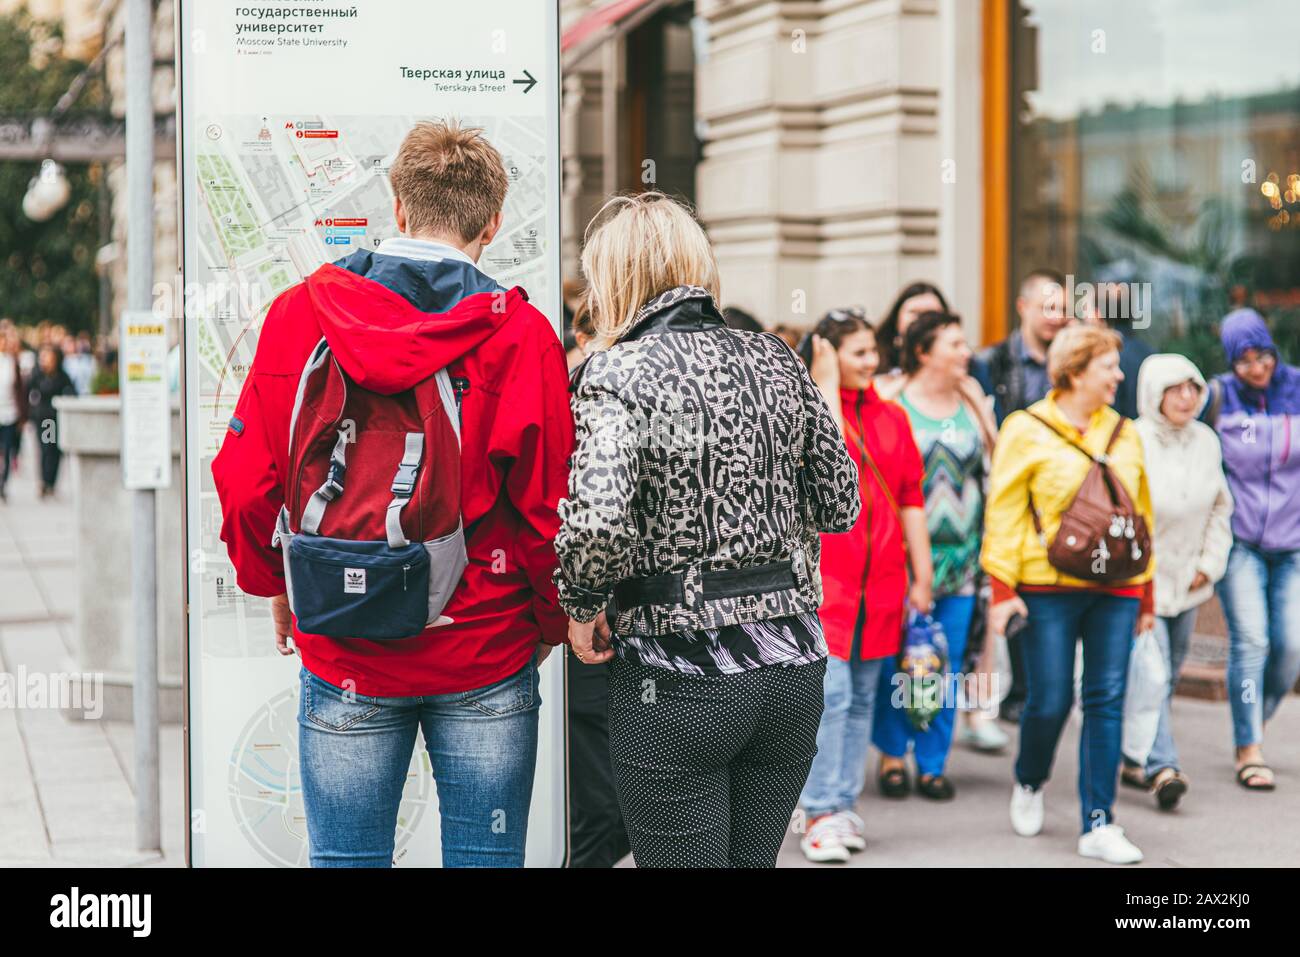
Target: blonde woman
{"type": "Point", "coordinates": [706, 462]}
{"type": "Point", "coordinates": [1042, 458]}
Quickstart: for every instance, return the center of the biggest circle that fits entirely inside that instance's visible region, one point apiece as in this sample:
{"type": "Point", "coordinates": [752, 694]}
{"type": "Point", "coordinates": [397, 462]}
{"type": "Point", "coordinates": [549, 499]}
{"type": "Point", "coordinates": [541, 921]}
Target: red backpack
{"type": "Point", "coordinates": [371, 529]}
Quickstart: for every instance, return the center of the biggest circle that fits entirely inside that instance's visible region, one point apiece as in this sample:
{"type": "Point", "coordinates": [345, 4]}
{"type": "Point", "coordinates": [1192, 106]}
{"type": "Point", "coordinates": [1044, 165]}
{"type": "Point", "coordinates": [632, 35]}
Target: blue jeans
{"type": "Point", "coordinates": [355, 752]}
{"type": "Point", "coordinates": [1056, 622]}
{"type": "Point", "coordinates": [839, 770]}
{"type": "Point", "coordinates": [893, 731]}
{"type": "Point", "coordinates": [1174, 635]}
{"type": "Point", "coordinates": [1260, 595]}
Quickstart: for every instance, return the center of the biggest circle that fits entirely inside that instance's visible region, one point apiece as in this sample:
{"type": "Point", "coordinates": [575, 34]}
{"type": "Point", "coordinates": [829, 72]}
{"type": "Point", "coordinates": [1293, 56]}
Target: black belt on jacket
{"type": "Point", "coordinates": [725, 583]}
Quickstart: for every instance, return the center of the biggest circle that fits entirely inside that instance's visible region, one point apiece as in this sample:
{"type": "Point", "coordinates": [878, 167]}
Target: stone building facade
{"type": "Point", "coordinates": [839, 148]}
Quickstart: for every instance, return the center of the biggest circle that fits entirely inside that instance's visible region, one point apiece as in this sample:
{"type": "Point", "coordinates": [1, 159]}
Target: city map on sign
{"type": "Point", "coordinates": [277, 197]}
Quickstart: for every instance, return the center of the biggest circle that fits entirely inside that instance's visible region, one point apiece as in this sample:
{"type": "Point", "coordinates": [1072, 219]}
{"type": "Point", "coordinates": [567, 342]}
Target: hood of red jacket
{"type": "Point", "coordinates": [392, 322]}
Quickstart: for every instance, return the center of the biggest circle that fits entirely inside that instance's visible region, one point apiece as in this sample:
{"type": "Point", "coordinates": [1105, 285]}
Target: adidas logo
{"type": "Point", "coordinates": [354, 581]}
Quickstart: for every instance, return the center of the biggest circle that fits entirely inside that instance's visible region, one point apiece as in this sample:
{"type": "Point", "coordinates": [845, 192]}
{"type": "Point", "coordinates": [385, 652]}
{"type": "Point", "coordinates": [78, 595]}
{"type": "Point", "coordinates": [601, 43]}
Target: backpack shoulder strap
{"type": "Point", "coordinates": [1069, 441]}
{"type": "Point", "coordinates": [1119, 427]}
{"type": "Point", "coordinates": [1214, 405]}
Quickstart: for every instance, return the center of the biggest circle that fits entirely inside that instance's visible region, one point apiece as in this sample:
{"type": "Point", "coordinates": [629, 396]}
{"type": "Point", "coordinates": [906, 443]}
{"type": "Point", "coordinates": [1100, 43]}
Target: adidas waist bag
{"type": "Point", "coordinates": [370, 530]}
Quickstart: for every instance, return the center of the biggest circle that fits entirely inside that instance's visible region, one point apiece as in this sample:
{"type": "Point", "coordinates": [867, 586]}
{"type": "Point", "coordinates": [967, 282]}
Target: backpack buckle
{"type": "Point", "coordinates": [333, 486]}
{"type": "Point", "coordinates": [404, 480]}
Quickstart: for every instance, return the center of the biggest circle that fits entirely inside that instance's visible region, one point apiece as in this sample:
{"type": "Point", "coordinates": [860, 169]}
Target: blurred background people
{"type": "Point", "coordinates": [1108, 307]}
{"type": "Point", "coordinates": [13, 405]}
{"type": "Point", "coordinates": [597, 837]}
{"type": "Point", "coordinates": [787, 334]}
{"type": "Point", "coordinates": [694, 573]}
{"type": "Point", "coordinates": [48, 382]}
{"type": "Point", "coordinates": [1042, 458]}
{"type": "Point", "coordinates": [1014, 372]}
{"type": "Point", "coordinates": [864, 579]}
{"type": "Point", "coordinates": [952, 444]}
{"type": "Point", "coordinates": [78, 362]}
{"type": "Point", "coordinates": [912, 301]}
{"type": "Point", "coordinates": [1191, 539]}
{"type": "Point", "coordinates": [1258, 421]}
{"type": "Point", "coordinates": [740, 320]}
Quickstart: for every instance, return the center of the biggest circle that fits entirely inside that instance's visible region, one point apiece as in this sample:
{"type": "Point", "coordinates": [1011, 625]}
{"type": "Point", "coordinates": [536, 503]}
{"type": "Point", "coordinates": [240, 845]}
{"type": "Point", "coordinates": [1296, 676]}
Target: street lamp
{"type": "Point", "coordinates": [47, 193]}
{"type": "Point", "coordinates": [49, 190]}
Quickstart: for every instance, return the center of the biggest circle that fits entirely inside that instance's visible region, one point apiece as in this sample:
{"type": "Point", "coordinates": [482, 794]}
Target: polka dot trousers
{"type": "Point", "coordinates": [709, 768]}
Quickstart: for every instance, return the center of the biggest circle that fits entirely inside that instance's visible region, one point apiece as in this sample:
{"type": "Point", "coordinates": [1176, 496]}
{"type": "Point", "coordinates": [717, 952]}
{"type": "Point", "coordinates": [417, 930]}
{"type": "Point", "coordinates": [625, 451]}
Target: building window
{"type": "Point", "coordinates": [1158, 144]}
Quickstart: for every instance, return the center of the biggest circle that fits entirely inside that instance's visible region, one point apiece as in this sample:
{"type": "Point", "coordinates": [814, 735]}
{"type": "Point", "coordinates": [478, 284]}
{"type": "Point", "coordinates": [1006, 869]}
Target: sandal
{"type": "Point", "coordinates": [1169, 785]}
{"type": "Point", "coordinates": [936, 787]}
{"type": "Point", "coordinates": [1249, 772]}
{"type": "Point", "coordinates": [1134, 776]}
{"type": "Point", "coordinates": [894, 783]}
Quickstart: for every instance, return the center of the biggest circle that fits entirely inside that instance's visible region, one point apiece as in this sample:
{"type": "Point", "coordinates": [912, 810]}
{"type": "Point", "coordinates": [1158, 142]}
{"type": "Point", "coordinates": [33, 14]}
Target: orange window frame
{"type": "Point", "coordinates": [996, 54]}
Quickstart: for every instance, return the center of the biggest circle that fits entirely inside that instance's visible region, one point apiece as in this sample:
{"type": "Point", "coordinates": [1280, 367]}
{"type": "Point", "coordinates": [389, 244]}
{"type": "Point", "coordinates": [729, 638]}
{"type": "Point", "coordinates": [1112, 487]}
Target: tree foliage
{"type": "Point", "coordinates": [47, 270]}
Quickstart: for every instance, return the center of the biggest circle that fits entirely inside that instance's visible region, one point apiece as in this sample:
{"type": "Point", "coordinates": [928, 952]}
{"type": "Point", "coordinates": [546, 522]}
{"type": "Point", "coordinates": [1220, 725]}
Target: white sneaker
{"type": "Point", "coordinates": [824, 842]}
{"type": "Point", "coordinates": [1110, 845]}
{"type": "Point", "coordinates": [1026, 810]}
{"type": "Point", "coordinates": [853, 831]}
{"type": "Point", "coordinates": [984, 736]}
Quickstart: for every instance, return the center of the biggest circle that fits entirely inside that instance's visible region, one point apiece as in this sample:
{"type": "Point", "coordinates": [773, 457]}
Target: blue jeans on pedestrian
{"type": "Point", "coordinates": [1260, 595]}
{"type": "Point", "coordinates": [893, 731]}
{"type": "Point", "coordinates": [1174, 635]}
{"type": "Point", "coordinates": [355, 752]}
{"type": "Point", "coordinates": [1056, 622]}
{"type": "Point", "coordinates": [839, 771]}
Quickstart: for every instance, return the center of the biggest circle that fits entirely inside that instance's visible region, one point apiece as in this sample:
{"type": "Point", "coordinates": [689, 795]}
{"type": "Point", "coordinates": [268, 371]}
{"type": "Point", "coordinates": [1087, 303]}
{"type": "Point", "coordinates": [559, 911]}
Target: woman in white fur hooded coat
{"type": "Point", "coordinates": [1193, 535]}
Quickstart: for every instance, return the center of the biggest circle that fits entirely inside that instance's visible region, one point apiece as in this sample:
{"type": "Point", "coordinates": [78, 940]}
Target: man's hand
{"type": "Point", "coordinates": [283, 621]}
{"type": "Point", "coordinates": [1146, 622]}
{"type": "Point", "coordinates": [590, 640]}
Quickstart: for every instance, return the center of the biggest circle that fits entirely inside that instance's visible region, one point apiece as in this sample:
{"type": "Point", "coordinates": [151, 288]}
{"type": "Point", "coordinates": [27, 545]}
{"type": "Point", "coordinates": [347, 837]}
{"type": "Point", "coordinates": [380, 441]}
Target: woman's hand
{"type": "Point", "coordinates": [1199, 582]}
{"type": "Point", "coordinates": [921, 596]}
{"type": "Point", "coordinates": [1146, 622]}
{"type": "Point", "coordinates": [590, 640]}
{"type": "Point", "coordinates": [1000, 615]}
{"type": "Point", "coordinates": [825, 369]}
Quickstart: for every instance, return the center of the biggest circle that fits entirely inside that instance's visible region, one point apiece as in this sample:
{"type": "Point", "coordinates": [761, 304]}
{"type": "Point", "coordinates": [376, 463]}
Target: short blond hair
{"type": "Point", "coordinates": [449, 178]}
{"type": "Point", "coordinates": [1074, 348]}
{"type": "Point", "coordinates": [637, 247]}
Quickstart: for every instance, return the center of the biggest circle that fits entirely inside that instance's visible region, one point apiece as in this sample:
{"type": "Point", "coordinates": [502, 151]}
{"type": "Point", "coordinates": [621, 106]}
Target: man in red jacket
{"type": "Point", "coordinates": [392, 317]}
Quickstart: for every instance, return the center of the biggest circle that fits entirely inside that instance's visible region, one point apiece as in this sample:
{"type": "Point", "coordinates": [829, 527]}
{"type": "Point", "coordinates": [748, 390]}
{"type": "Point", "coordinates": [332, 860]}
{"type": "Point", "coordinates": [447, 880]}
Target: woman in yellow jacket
{"type": "Point", "coordinates": [1037, 456]}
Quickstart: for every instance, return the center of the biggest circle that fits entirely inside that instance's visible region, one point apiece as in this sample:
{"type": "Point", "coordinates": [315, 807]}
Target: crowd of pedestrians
{"type": "Point", "coordinates": [766, 551]}
{"type": "Point", "coordinates": [34, 371]}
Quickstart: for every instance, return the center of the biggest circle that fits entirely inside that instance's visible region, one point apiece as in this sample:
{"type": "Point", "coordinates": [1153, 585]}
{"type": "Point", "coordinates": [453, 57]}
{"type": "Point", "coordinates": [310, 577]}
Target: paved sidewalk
{"type": "Point", "coordinates": [66, 791]}
{"type": "Point", "coordinates": [1219, 824]}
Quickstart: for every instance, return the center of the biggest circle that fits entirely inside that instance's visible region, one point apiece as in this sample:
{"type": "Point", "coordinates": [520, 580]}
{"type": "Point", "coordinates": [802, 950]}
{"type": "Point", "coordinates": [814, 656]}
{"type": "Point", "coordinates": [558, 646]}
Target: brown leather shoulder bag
{"type": "Point", "coordinates": [1102, 537]}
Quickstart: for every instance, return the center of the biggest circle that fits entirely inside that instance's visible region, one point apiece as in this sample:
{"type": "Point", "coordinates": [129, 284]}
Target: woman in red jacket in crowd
{"type": "Point", "coordinates": [864, 576]}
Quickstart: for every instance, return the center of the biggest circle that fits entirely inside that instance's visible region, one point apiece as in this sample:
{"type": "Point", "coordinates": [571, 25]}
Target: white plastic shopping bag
{"type": "Point", "coordinates": [1148, 684]}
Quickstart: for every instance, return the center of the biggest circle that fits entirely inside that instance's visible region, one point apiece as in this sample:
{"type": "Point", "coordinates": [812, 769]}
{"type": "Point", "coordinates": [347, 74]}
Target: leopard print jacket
{"type": "Point", "coordinates": [699, 448]}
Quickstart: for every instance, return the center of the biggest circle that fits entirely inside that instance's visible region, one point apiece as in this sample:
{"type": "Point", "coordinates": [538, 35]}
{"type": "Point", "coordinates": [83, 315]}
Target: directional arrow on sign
{"type": "Point", "coordinates": [529, 82]}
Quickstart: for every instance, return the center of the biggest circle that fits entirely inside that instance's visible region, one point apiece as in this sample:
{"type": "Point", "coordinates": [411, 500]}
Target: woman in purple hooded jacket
{"type": "Point", "coordinates": [1258, 423]}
